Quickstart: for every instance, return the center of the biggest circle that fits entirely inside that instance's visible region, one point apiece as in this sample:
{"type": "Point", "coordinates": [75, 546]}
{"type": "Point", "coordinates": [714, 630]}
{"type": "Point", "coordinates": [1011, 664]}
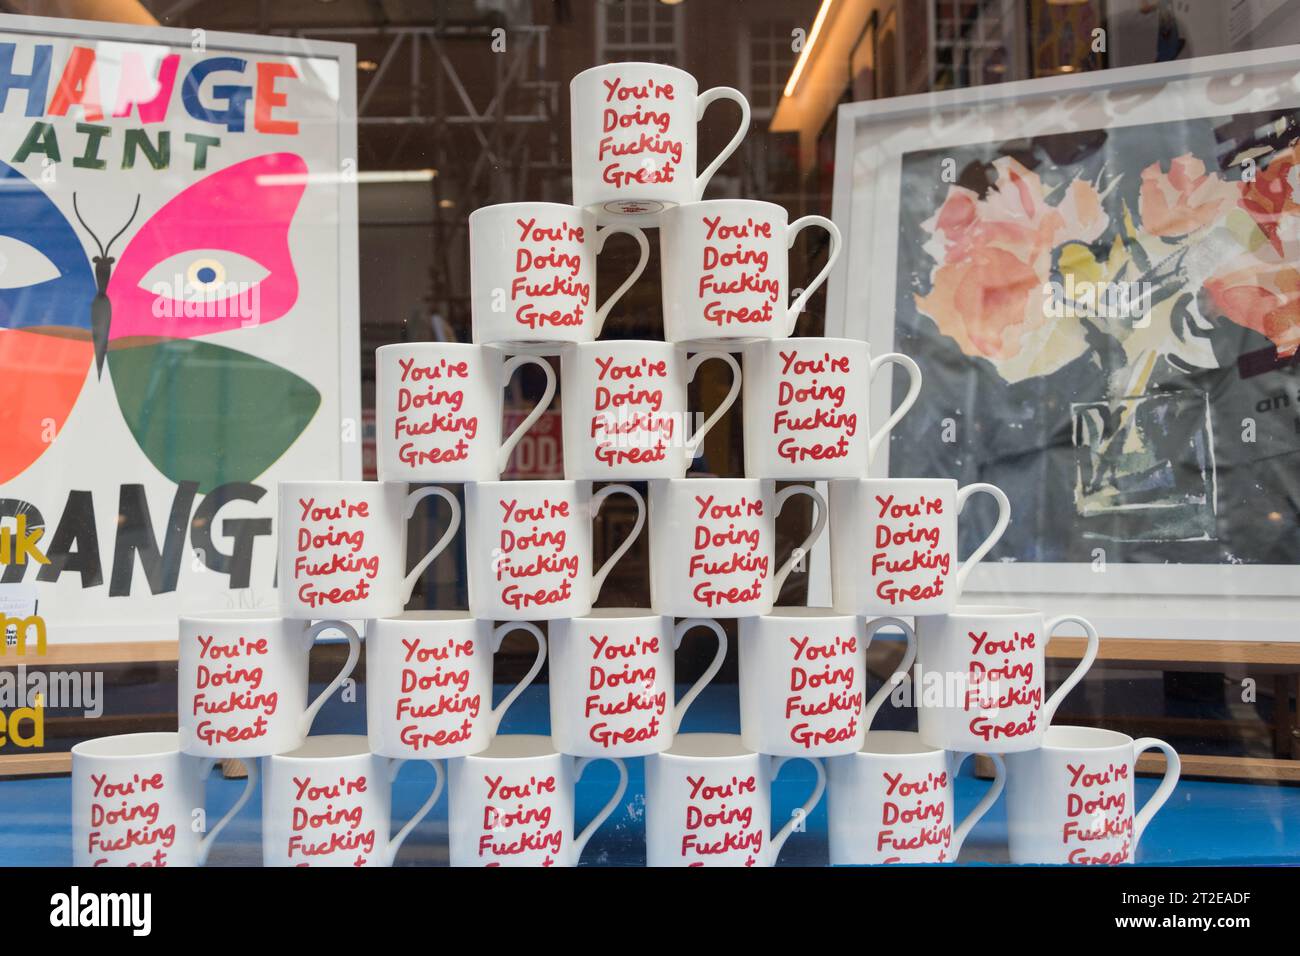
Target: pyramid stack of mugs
{"type": "Point", "coordinates": [979, 682]}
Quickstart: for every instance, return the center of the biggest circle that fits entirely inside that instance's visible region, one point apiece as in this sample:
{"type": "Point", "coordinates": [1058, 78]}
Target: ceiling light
{"type": "Point", "coordinates": [806, 52]}
{"type": "Point", "coordinates": [365, 176]}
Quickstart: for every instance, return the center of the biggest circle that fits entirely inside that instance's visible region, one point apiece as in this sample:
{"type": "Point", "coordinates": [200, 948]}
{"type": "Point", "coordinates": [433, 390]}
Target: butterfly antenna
{"type": "Point", "coordinates": [125, 227]}
{"type": "Point", "coordinates": [87, 228]}
{"type": "Point", "coordinates": [101, 310]}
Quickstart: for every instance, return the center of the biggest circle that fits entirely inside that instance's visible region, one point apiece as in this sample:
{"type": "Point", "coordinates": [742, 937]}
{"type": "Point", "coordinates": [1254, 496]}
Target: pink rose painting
{"type": "Point", "coordinates": [994, 260]}
{"type": "Point", "coordinates": [1262, 293]}
{"type": "Point", "coordinates": [1114, 317]}
{"type": "Point", "coordinates": [1182, 199]}
{"type": "Point", "coordinates": [1260, 288]}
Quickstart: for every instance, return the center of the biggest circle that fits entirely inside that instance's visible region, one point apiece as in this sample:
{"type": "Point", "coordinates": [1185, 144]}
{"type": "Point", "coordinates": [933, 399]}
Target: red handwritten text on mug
{"type": "Point", "coordinates": [1098, 825]}
{"type": "Point", "coordinates": [548, 290]}
{"type": "Point", "coordinates": [1005, 689]}
{"type": "Point", "coordinates": [637, 147]}
{"type": "Point", "coordinates": [734, 284]}
{"type": "Point", "coordinates": [328, 817]}
{"type": "Point", "coordinates": [910, 559]}
{"type": "Point", "coordinates": [720, 820]}
{"type": "Point", "coordinates": [430, 425]}
{"type": "Point", "coordinates": [435, 701]}
{"type": "Point", "coordinates": [331, 543]}
{"type": "Point", "coordinates": [914, 818]}
{"type": "Point", "coordinates": [518, 817]}
{"type": "Point", "coordinates": [810, 422]}
{"type": "Point", "coordinates": [823, 703]}
{"type": "Point", "coordinates": [630, 425]}
{"type": "Point", "coordinates": [228, 686]}
{"type": "Point", "coordinates": [728, 554]}
{"type": "Point", "coordinates": [125, 816]}
{"type": "Point", "coordinates": [533, 563]}
{"type": "Point", "coordinates": [624, 703]}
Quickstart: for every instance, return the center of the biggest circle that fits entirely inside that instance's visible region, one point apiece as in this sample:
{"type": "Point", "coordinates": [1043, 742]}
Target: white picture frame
{"type": "Point", "coordinates": [328, 354]}
{"type": "Point", "coordinates": [1212, 601]}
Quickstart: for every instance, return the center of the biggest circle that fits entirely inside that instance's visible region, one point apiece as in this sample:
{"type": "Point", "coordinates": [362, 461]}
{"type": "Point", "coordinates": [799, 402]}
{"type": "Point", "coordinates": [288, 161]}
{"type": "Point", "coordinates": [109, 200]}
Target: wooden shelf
{"type": "Point", "coordinates": [1131, 651]}
{"type": "Point", "coordinates": [1156, 652]}
{"type": "Point", "coordinates": [131, 652]}
{"type": "Point", "coordinates": [1268, 769]}
{"type": "Point", "coordinates": [25, 765]}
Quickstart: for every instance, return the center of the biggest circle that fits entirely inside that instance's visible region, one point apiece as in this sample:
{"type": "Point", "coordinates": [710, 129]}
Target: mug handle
{"type": "Point", "coordinates": [354, 655]}
{"type": "Point", "coordinates": [205, 844]}
{"type": "Point", "coordinates": [710, 672]}
{"type": "Point", "coordinates": [905, 406]}
{"type": "Point", "coordinates": [900, 675]}
{"type": "Point", "coordinates": [413, 499]}
{"type": "Point", "coordinates": [580, 841]}
{"type": "Point", "coordinates": [792, 233]}
{"type": "Point", "coordinates": [598, 579]}
{"type": "Point", "coordinates": [692, 366]}
{"type": "Point", "coordinates": [1004, 518]}
{"type": "Point", "coordinates": [1090, 655]}
{"type": "Point", "coordinates": [498, 636]}
{"type": "Point", "coordinates": [604, 233]}
{"type": "Point", "coordinates": [507, 372]}
{"type": "Point", "coordinates": [819, 525]}
{"type": "Point", "coordinates": [701, 104]}
{"type": "Point", "coordinates": [1173, 769]}
{"type": "Point", "coordinates": [986, 802]}
{"type": "Point", "coordinates": [778, 839]}
{"type": "Point", "coordinates": [395, 766]}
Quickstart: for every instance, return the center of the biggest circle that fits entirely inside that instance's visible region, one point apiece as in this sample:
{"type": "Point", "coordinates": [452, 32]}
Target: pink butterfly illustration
{"type": "Point", "coordinates": [199, 411]}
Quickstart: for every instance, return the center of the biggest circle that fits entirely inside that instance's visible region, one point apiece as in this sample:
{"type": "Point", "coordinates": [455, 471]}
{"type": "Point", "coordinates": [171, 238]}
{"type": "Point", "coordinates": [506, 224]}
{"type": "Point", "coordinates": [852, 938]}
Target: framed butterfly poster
{"type": "Point", "coordinates": [1099, 277]}
{"type": "Point", "coordinates": [178, 312]}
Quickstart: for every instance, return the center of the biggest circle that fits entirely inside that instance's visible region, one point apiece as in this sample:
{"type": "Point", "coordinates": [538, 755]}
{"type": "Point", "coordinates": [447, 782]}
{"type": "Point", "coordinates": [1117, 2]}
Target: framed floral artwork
{"type": "Point", "coordinates": [1099, 276]}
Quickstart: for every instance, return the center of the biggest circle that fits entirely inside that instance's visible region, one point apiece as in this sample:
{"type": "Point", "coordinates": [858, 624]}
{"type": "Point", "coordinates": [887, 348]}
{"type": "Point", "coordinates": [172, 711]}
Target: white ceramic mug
{"type": "Point", "coordinates": [612, 686]}
{"type": "Point", "coordinates": [532, 270]}
{"type": "Point", "coordinates": [343, 547]}
{"type": "Point", "coordinates": [893, 802]}
{"type": "Point", "coordinates": [438, 410]}
{"type": "Point", "coordinates": [981, 677]}
{"type": "Point", "coordinates": [330, 803]}
{"type": "Point", "coordinates": [429, 683]}
{"type": "Point", "coordinates": [625, 414]}
{"type": "Point", "coordinates": [713, 545]}
{"type": "Point", "coordinates": [634, 129]}
{"type": "Point", "coordinates": [242, 680]}
{"type": "Point", "coordinates": [726, 270]}
{"type": "Point", "coordinates": [529, 547]}
{"type": "Point", "coordinates": [708, 802]}
{"type": "Point", "coordinates": [894, 544]}
{"type": "Point", "coordinates": [1072, 801]}
{"type": "Point", "coordinates": [512, 804]}
{"type": "Point", "coordinates": [807, 407]}
{"type": "Point", "coordinates": [135, 800]}
{"type": "Point", "coordinates": [803, 682]}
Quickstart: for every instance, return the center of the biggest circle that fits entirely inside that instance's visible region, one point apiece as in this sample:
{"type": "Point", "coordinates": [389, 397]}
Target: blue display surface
{"type": "Point", "coordinates": [1203, 822]}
